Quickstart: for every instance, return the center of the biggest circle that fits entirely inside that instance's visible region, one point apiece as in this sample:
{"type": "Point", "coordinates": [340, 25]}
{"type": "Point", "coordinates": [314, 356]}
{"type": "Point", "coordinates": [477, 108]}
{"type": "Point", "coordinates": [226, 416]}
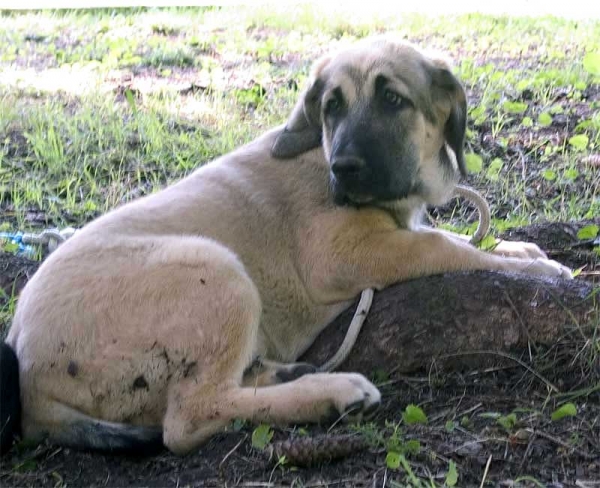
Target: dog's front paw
{"type": "Point", "coordinates": [351, 395]}
{"type": "Point", "coordinates": [548, 267]}
{"type": "Point", "coordinates": [519, 249]}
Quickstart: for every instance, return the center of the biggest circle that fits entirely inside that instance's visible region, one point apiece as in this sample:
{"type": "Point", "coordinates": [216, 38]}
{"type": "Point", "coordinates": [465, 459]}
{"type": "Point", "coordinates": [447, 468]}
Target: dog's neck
{"type": "Point", "coordinates": [406, 212]}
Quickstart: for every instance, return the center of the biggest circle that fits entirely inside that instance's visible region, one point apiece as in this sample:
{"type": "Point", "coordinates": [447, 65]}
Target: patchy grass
{"type": "Point", "coordinates": [100, 106]}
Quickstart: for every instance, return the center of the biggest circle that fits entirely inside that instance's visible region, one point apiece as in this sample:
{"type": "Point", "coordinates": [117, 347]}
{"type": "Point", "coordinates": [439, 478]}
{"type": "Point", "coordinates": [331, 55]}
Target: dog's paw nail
{"type": "Point", "coordinates": [372, 408]}
{"type": "Point", "coordinates": [354, 408]}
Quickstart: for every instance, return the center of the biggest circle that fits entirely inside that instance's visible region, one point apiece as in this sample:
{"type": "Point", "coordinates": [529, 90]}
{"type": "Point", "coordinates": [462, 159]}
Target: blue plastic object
{"type": "Point", "coordinates": [17, 239]}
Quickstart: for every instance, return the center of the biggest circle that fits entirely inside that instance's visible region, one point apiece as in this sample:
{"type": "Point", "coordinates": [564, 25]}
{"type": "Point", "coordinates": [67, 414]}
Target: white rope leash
{"type": "Point", "coordinates": [366, 297]}
{"type": "Point", "coordinates": [362, 310]}
{"type": "Point", "coordinates": [52, 238]}
{"type": "Point", "coordinates": [483, 208]}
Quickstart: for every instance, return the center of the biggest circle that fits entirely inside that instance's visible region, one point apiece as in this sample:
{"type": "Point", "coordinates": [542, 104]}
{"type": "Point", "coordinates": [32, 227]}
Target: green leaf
{"type": "Point", "coordinates": [261, 436]}
{"type": "Point", "coordinates": [591, 63]}
{"type": "Point", "coordinates": [450, 426]}
{"type": "Point", "coordinates": [583, 125]}
{"type": "Point", "coordinates": [507, 421]}
{"type": "Point", "coordinates": [452, 475]}
{"type": "Point", "coordinates": [412, 446]}
{"type": "Point", "coordinates": [545, 119]}
{"type": "Point", "coordinates": [549, 174]}
{"type": "Point", "coordinates": [474, 163]}
{"type": "Point", "coordinates": [566, 410]}
{"type": "Point", "coordinates": [577, 272]}
{"type": "Point", "coordinates": [392, 460]}
{"type": "Point", "coordinates": [131, 100]}
{"type": "Point", "coordinates": [9, 247]}
{"type": "Point", "coordinates": [514, 107]}
{"type": "Point", "coordinates": [579, 142]}
{"type": "Point", "coordinates": [494, 169]}
{"type": "Point", "coordinates": [414, 415]}
{"type": "Point", "coordinates": [488, 243]}
{"type": "Point", "coordinates": [380, 376]}
{"type": "Point", "coordinates": [524, 84]}
{"type": "Point", "coordinates": [588, 232]}
{"type": "Point", "coordinates": [527, 122]}
{"type": "Point", "coordinates": [571, 173]}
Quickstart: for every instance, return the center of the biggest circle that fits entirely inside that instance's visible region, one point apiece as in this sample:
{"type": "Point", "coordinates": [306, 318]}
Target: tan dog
{"type": "Point", "coordinates": [146, 326]}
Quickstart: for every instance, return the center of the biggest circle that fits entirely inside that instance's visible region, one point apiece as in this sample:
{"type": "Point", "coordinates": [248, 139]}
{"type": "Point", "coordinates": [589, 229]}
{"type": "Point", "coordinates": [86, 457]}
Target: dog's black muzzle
{"type": "Point", "coordinates": [351, 180]}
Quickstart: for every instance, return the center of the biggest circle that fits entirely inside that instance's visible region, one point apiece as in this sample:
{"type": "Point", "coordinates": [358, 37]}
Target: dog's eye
{"type": "Point", "coordinates": [392, 98]}
{"type": "Point", "coordinates": [332, 106]}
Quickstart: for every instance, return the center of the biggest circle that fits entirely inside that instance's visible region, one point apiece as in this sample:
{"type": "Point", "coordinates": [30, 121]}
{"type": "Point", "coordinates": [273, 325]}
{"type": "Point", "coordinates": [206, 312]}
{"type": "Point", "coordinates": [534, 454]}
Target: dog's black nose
{"type": "Point", "coordinates": [348, 166]}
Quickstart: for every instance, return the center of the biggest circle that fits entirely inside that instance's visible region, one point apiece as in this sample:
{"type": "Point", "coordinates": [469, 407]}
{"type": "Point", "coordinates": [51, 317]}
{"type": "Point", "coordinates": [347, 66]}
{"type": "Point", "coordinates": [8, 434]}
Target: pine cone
{"type": "Point", "coordinates": [307, 451]}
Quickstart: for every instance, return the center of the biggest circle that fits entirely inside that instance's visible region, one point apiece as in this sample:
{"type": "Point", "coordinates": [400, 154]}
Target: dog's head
{"type": "Point", "coordinates": [391, 121]}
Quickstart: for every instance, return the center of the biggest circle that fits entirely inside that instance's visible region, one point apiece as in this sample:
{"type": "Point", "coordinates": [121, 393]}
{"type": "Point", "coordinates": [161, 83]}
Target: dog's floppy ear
{"type": "Point", "coordinates": [450, 90]}
{"type": "Point", "coordinates": [303, 129]}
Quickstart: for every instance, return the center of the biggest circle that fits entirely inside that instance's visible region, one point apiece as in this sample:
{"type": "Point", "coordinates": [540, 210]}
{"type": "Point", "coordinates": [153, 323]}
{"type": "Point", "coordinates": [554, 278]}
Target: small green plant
{"type": "Point", "coordinates": [549, 174]}
{"type": "Point", "coordinates": [414, 415]}
{"type": "Point", "coordinates": [451, 475]}
{"type": "Point", "coordinates": [8, 246]}
{"type": "Point", "coordinates": [474, 163]}
{"type": "Point", "coordinates": [566, 410]}
{"type": "Point", "coordinates": [396, 460]}
{"type": "Point", "coordinates": [588, 232]}
{"type": "Point", "coordinates": [392, 460]}
{"type": "Point", "coordinates": [250, 97]}
{"type": "Point", "coordinates": [544, 119]}
{"type": "Point", "coordinates": [261, 437]}
{"type": "Point", "coordinates": [380, 376]}
{"type": "Point", "coordinates": [514, 107]}
{"type": "Point", "coordinates": [591, 63]}
{"type": "Point", "coordinates": [508, 422]}
{"type": "Point", "coordinates": [450, 426]}
{"type": "Point", "coordinates": [579, 142]}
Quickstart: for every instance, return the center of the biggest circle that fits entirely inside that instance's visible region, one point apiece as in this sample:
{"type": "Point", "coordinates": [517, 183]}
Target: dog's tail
{"type": "Point", "coordinates": [10, 397]}
{"type": "Point", "coordinates": [87, 433]}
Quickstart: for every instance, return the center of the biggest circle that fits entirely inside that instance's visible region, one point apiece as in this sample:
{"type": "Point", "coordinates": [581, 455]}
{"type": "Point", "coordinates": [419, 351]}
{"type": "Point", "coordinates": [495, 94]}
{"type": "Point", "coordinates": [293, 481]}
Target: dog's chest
{"type": "Point", "coordinates": [291, 322]}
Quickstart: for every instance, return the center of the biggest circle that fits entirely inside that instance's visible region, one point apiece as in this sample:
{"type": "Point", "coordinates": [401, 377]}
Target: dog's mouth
{"type": "Point", "coordinates": [352, 199]}
{"type": "Point", "coordinates": [344, 196]}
